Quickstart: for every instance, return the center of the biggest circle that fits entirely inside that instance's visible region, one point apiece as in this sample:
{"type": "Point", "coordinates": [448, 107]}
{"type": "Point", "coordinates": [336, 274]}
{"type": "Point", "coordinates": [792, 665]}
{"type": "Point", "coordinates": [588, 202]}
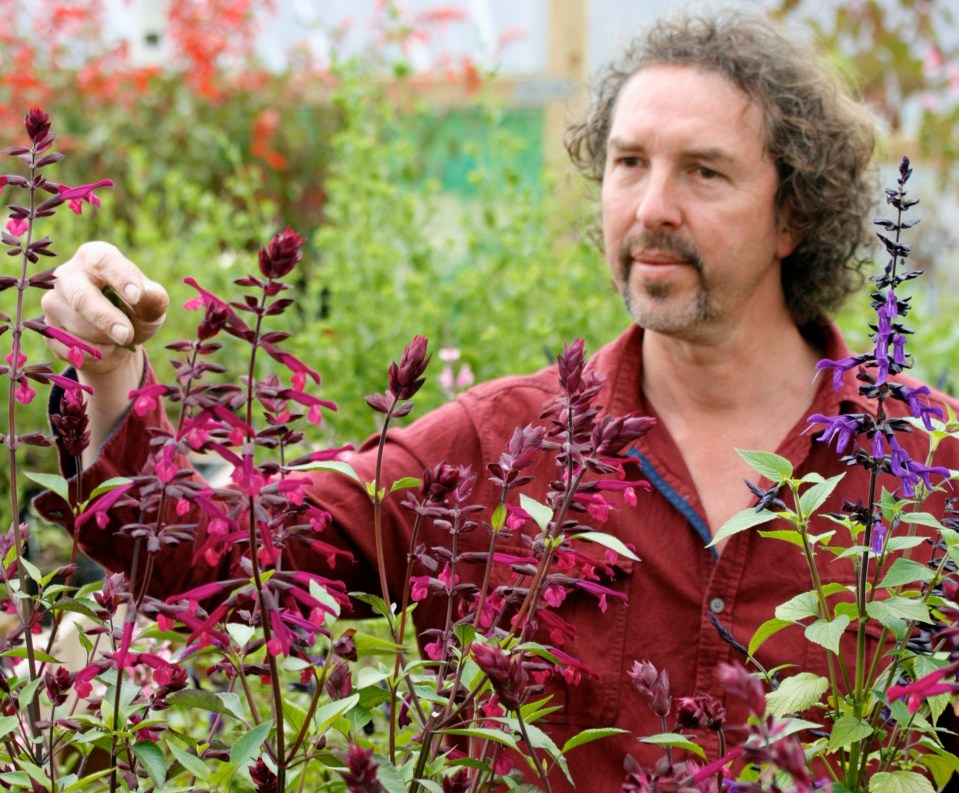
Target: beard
{"type": "Point", "coordinates": [649, 304]}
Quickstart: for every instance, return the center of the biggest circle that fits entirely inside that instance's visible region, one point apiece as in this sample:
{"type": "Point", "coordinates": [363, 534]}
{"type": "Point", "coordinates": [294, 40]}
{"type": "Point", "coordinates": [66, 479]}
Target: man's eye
{"type": "Point", "coordinates": [706, 173]}
{"type": "Point", "coordinates": [628, 162]}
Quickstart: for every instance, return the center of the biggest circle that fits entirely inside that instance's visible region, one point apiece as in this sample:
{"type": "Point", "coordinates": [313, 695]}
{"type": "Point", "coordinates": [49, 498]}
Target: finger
{"type": "Point", "coordinates": [60, 313]}
{"type": "Point", "coordinates": [151, 307]}
{"type": "Point", "coordinates": [76, 297]}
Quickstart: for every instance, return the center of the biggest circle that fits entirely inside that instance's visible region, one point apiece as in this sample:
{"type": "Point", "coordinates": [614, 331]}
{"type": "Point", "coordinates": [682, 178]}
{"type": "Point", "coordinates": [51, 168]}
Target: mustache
{"type": "Point", "coordinates": [659, 241]}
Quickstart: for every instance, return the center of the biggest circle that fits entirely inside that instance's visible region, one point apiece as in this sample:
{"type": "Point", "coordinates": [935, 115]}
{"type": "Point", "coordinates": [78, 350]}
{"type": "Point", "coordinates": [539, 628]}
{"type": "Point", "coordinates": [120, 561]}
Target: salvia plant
{"type": "Point", "coordinates": [253, 681]}
{"type": "Point", "coordinates": [881, 719]}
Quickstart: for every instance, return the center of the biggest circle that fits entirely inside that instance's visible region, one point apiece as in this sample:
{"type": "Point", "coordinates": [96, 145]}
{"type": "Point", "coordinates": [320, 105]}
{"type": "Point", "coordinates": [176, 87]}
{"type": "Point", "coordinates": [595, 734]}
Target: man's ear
{"type": "Point", "coordinates": [788, 238]}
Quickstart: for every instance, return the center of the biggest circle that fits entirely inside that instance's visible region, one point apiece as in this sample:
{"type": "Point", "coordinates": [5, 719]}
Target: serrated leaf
{"type": "Point", "coordinates": [329, 465]}
{"type": "Point", "coordinates": [791, 536]}
{"type": "Point", "coordinates": [905, 571]}
{"type": "Point", "coordinates": [228, 705]}
{"type": "Point", "coordinates": [827, 633]}
{"type": "Point", "coordinates": [540, 513]}
{"type": "Point", "coordinates": [846, 731]}
{"type": "Point", "coordinates": [796, 694]}
{"type": "Point", "coordinates": [151, 757]}
{"type": "Point", "coordinates": [191, 763]}
{"type": "Point", "coordinates": [388, 775]}
{"type": "Point", "coordinates": [899, 782]}
{"type": "Point", "coordinates": [764, 631]}
{"type": "Point", "coordinates": [741, 521]}
{"type": "Point", "coordinates": [75, 606]}
{"type": "Point", "coordinates": [676, 741]}
{"type": "Point", "coordinates": [898, 607]}
{"type": "Point", "coordinates": [814, 497]}
{"type": "Point", "coordinates": [241, 634]}
{"type": "Point", "coordinates": [774, 467]}
{"type": "Point", "coordinates": [368, 644]}
{"type": "Point", "coordinates": [799, 607]}
{"type": "Point", "coordinates": [608, 541]}
{"type": "Point", "coordinates": [51, 482]}
{"type": "Point", "coordinates": [588, 736]}
{"type": "Point", "coordinates": [903, 543]}
{"type": "Point", "coordinates": [248, 745]}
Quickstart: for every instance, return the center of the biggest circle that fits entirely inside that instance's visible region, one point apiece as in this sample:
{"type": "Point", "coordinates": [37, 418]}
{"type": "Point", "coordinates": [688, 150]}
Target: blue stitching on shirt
{"type": "Point", "coordinates": [670, 494]}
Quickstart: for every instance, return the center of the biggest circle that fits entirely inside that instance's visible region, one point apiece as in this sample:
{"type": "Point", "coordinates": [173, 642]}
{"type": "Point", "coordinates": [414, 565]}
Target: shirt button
{"type": "Point", "coordinates": [716, 605]}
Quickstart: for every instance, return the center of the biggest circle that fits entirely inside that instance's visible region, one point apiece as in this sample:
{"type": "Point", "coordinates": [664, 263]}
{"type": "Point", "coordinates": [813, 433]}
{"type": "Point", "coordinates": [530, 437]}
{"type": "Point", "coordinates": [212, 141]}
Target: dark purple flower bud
{"type": "Point", "coordinates": [38, 124]}
{"type": "Point", "coordinates": [57, 684]}
{"type": "Point", "coordinates": [345, 647]}
{"type": "Point", "coordinates": [360, 776]}
{"type": "Point", "coordinates": [216, 317]}
{"type": "Point", "coordinates": [653, 684]}
{"type": "Point", "coordinates": [458, 783]}
{"type": "Point", "coordinates": [406, 377]}
{"type": "Point", "coordinates": [506, 674]}
{"type": "Point", "coordinates": [282, 254]}
{"type": "Point", "coordinates": [71, 423]}
{"type": "Point", "coordinates": [263, 777]}
{"type": "Point", "coordinates": [740, 684]}
{"type": "Point", "coordinates": [701, 712]}
{"type": "Point", "coordinates": [339, 684]}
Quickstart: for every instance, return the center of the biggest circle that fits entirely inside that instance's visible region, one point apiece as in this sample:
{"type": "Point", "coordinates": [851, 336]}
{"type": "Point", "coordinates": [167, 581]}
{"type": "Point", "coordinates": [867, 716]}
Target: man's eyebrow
{"type": "Point", "coordinates": [708, 155]}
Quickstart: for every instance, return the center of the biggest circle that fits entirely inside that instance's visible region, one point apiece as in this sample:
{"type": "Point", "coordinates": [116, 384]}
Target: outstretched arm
{"type": "Point", "coordinates": [77, 304]}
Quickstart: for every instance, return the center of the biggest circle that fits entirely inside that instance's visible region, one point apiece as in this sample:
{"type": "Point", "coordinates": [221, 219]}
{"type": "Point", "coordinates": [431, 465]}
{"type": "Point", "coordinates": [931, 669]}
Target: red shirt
{"type": "Point", "coordinates": [671, 592]}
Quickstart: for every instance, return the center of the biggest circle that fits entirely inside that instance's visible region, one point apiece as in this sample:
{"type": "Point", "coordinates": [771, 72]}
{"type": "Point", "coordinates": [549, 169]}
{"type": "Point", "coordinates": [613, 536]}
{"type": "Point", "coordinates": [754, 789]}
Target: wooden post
{"type": "Point", "coordinates": [568, 37]}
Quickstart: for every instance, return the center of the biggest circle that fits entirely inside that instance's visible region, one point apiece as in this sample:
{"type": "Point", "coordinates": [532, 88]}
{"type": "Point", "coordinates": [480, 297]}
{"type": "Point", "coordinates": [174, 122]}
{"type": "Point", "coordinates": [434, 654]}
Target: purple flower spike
{"type": "Point", "coordinates": [842, 428]}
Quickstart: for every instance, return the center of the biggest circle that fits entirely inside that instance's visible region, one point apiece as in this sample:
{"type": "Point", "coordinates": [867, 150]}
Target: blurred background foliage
{"type": "Point", "coordinates": [444, 222]}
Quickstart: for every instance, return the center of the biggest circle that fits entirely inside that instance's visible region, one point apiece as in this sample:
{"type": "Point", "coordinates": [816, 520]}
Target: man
{"type": "Point", "coordinates": [734, 187]}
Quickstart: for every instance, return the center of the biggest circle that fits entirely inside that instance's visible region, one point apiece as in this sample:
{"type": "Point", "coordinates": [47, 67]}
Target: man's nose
{"type": "Point", "coordinates": [658, 201]}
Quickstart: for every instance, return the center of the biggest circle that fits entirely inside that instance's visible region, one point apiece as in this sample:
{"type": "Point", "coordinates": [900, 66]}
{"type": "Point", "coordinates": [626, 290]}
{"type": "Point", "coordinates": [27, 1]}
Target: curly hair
{"type": "Point", "coordinates": [819, 138]}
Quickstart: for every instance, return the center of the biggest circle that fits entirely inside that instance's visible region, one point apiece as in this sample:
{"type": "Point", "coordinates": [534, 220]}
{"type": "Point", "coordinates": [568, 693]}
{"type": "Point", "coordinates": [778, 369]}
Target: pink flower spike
{"type": "Point", "coordinates": [21, 359]}
{"type": "Point", "coordinates": [17, 226]}
{"type": "Point", "coordinates": [102, 504]}
{"type": "Point", "coordinates": [68, 384]}
{"type": "Point", "coordinates": [77, 346]}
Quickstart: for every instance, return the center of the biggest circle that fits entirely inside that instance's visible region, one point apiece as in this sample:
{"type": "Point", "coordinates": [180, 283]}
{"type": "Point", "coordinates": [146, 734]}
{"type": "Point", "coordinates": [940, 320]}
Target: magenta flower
{"type": "Point", "coordinates": [99, 508]}
{"type": "Point", "coordinates": [926, 686]}
{"type": "Point", "coordinates": [17, 226]}
{"type": "Point", "coordinates": [75, 196]}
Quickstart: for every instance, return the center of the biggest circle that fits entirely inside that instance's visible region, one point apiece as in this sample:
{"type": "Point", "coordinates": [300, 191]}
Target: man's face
{"type": "Point", "coordinates": [688, 200]}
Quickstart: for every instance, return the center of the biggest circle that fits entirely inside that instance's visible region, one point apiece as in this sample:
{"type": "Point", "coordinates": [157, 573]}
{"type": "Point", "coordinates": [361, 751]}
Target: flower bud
{"type": "Point", "coordinates": [506, 674]}
{"type": "Point", "coordinates": [38, 124]}
{"type": "Point", "coordinates": [282, 254]}
{"type": "Point", "coordinates": [406, 377]}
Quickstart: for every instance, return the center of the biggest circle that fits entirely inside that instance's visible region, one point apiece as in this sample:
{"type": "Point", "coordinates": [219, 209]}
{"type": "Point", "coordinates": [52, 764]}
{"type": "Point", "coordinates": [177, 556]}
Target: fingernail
{"type": "Point", "coordinates": [132, 293]}
{"type": "Point", "coordinates": [119, 333]}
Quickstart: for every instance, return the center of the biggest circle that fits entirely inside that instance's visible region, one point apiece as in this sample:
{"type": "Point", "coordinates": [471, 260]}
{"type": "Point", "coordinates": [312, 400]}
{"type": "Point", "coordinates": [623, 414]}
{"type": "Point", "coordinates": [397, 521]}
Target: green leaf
{"type": "Point", "coordinates": [153, 761]}
{"type": "Point", "coordinates": [898, 607]}
{"type": "Point", "coordinates": [791, 536]}
{"type": "Point", "coordinates": [29, 691]}
{"type": "Point", "coordinates": [326, 714]}
{"type": "Point", "coordinates": [404, 483]}
{"type": "Point", "coordinates": [464, 633]}
{"type": "Point", "coordinates": [375, 602]}
{"type": "Point", "coordinates": [32, 570]}
{"type": "Point", "coordinates": [675, 740]}
{"type": "Point", "coordinates": [22, 652]}
{"type": "Point", "coordinates": [485, 733]}
{"type": "Point", "coordinates": [922, 519]}
{"type": "Point", "coordinates": [108, 485]}
{"type": "Point", "coordinates": [241, 634]}
{"type": "Point", "coordinates": [7, 725]}
{"type": "Point", "coordinates": [803, 605]}
{"type": "Point", "coordinates": [329, 465]}
{"type": "Point", "coordinates": [796, 693]}
{"type": "Point", "coordinates": [83, 784]}
{"type": "Point", "coordinates": [905, 571]}
{"type": "Point", "coordinates": [227, 704]}
{"type": "Point", "coordinates": [368, 644]}
{"type": "Point", "coordinates": [775, 468]}
{"type": "Point", "coordinates": [764, 631]}
{"type": "Point", "coordinates": [588, 736]}
{"type": "Point", "coordinates": [846, 731]}
{"type": "Point", "coordinates": [191, 763]}
{"type": "Point", "coordinates": [248, 745]}
{"type": "Point", "coordinates": [540, 513]}
{"type": "Point", "coordinates": [368, 676]}
{"type": "Point", "coordinates": [899, 782]}
{"type": "Point", "coordinates": [827, 633]}
{"type": "Point", "coordinates": [607, 541]}
{"type": "Point", "coordinates": [56, 484]}
{"type": "Point", "coordinates": [76, 606]}
{"type": "Point", "coordinates": [814, 497]}
{"type": "Point", "coordinates": [903, 543]}
{"type": "Point", "coordinates": [499, 517]}
{"type": "Point", "coordinates": [742, 521]}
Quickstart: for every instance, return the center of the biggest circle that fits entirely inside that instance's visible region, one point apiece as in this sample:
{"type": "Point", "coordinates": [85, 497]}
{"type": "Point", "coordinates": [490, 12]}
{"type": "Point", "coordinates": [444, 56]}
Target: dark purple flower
{"type": "Point", "coordinates": [57, 684]}
{"type": "Point", "coordinates": [360, 775]}
{"type": "Point", "coordinates": [71, 424]}
{"type": "Point", "coordinates": [406, 378]}
{"type": "Point", "coordinates": [282, 254]}
{"type": "Point", "coordinates": [37, 123]}
{"type": "Point", "coordinates": [738, 683]}
{"type": "Point", "coordinates": [653, 684]}
{"type": "Point", "coordinates": [263, 777]}
{"type": "Point", "coordinates": [339, 683]}
{"type": "Point", "coordinates": [700, 712]}
{"type": "Point", "coordinates": [506, 674]}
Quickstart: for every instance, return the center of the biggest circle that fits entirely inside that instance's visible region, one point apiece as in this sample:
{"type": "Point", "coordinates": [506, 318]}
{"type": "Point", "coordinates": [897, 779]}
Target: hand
{"type": "Point", "coordinates": [78, 305]}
